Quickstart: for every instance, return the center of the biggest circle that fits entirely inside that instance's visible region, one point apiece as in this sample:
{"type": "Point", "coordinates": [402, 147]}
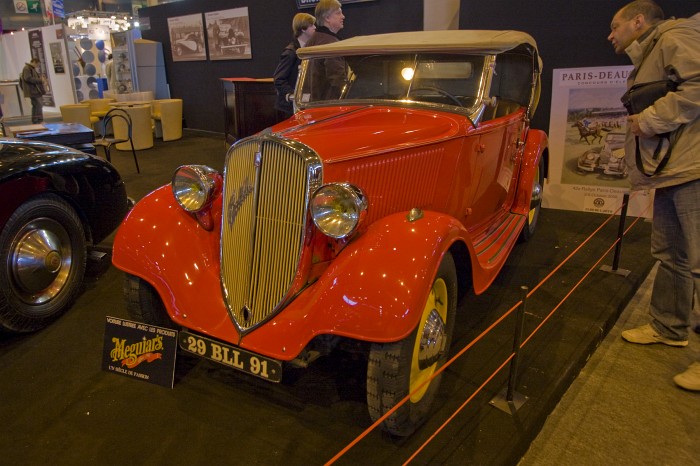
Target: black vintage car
{"type": "Point", "coordinates": [56, 203]}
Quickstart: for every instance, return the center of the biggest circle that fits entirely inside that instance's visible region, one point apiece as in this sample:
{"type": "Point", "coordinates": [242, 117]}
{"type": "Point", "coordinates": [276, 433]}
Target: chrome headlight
{"type": "Point", "coordinates": [194, 186]}
{"type": "Point", "coordinates": [338, 208]}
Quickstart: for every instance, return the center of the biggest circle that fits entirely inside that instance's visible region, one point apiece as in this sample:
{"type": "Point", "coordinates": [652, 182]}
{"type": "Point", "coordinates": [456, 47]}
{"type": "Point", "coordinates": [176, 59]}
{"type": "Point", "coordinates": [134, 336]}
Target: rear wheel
{"type": "Point", "coordinates": [535, 203]}
{"type": "Point", "coordinates": [144, 303]}
{"type": "Point", "coordinates": [397, 369]}
{"type": "Point", "coordinates": [43, 254]}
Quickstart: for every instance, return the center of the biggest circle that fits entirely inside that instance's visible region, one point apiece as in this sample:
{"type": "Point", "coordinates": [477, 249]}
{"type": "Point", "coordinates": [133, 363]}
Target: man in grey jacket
{"type": "Point", "coordinates": [660, 49]}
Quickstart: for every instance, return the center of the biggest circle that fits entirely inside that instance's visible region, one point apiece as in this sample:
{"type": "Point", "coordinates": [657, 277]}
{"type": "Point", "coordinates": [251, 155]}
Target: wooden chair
{"type": "Point", "coordinates": [78, 113]}
{"type": "Point", "coordinates": [121, 116]}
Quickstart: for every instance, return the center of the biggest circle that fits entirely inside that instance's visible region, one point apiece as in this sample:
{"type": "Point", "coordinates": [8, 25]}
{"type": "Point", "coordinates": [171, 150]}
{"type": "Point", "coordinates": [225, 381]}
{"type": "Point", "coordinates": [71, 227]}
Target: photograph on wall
{"type": "Point", "coordinates": [187, 38]}
{"type": "Point", "coordinates": [228, 34]}
{"type": "Point", "coordinates": [57, 58]}
{"type": "Point", "coordinates": [587, 168]}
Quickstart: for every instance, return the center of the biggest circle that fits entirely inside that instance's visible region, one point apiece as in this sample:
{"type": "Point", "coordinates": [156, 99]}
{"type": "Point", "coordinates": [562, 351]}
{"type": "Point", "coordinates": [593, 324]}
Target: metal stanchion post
{"type": "Point", "coordinates": [618, 247]}
{"type": "Point", "coordinates": [509, 400]}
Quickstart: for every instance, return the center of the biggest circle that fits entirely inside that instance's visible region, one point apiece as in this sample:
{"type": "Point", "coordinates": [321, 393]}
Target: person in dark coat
{"type": "Point", "coordinates": [33, 87]}
{"type": "Point", "coordinates": [327, 74]}
{"type": "Point", "coordinates": [303, 27]}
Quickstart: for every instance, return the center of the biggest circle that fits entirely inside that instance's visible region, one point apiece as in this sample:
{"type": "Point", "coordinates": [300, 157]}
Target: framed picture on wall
{"type": "Point", "coordinates": [187, 38]}
{"type": "Point", "coordinates": [228, 33]}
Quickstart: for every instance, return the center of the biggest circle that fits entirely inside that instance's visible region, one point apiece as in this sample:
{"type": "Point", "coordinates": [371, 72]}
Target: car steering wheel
{"type": "Point", "coordinates": [439, 91]}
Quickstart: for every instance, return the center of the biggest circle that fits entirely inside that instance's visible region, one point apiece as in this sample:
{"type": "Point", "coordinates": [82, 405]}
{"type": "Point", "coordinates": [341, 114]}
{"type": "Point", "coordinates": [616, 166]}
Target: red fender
{"type": "Point", "coordinates": [374, 290]}
{"type": "Point", "coordinates": [535, 146]}
{"type": "Point", "coordinates": [165, 246]}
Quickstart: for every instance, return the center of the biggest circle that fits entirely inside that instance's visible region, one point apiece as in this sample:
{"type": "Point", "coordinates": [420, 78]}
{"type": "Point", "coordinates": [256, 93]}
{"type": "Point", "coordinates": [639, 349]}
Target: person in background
{"type": "Point", "coordinates": [111, 75]}
{"type": "Point", "coordinates": [33, 88]}
{"type": "Point", "coordinates": [328, 74]}
{"type": "Point", "coordinates": [303, 27]}
{"type": "Point", "coordinates": [659, 48]}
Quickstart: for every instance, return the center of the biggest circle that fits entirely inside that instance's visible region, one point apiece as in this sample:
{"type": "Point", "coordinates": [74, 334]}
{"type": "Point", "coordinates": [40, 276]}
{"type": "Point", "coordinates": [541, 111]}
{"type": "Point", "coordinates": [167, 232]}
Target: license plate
{"type": "Point", "coordinates": [232, 356]}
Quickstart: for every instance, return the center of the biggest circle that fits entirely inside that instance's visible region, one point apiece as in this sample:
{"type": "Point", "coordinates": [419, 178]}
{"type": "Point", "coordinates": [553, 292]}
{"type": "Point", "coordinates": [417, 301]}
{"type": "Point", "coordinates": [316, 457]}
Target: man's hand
{"type": "Point", "coordinates": [633, 125]}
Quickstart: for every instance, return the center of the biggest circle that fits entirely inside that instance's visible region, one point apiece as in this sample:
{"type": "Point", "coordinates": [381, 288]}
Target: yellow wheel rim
{"type": "Point", "coordinates": [437, 300]}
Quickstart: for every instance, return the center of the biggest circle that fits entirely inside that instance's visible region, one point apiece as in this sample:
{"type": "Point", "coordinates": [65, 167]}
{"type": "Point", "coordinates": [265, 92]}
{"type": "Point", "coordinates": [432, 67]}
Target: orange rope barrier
{"type": "Point", "coordinates": [484, 333]}
{"type": "Point", "coordinates": [407, 397]}
{"type": "Point", "coordinates": [444, 424]}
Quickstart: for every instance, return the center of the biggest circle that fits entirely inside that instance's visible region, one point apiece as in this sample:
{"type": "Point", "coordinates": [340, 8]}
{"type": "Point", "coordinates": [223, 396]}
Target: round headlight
{"type": "Point", "coordinates": [194, 186]}
{"type": "Point", "coordinates": [337, 209]}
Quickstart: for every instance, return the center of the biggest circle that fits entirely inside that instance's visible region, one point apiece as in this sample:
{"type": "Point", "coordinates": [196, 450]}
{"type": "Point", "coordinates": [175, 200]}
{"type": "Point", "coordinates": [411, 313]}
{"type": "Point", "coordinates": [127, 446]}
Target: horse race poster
{"type": "Point", "coordinates": [587, 169]}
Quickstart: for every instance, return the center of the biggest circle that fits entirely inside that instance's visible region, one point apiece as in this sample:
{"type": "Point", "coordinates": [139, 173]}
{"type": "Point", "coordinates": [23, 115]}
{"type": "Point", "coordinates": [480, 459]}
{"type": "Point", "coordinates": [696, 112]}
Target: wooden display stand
{"type": "Point", "coordinates": [249, 106]}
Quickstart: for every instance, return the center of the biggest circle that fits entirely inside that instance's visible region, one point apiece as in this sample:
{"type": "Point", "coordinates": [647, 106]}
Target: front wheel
{"type": "Point", "coordinates": [43, 253]}
{"type": "Point", "coordinates": [144, 304]}
{"type": "Point", "coordinates": [398, 369]}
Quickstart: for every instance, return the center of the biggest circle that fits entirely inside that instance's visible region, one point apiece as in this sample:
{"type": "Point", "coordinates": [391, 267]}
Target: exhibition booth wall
{"type": "Point", "coordinates": [194, 76]}
{"type": "Point", "coordinates": [568, 35]}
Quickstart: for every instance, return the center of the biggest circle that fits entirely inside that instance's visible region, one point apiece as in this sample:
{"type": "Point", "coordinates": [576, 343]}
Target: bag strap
{"type": "Point", "coordinates": [657, 151]}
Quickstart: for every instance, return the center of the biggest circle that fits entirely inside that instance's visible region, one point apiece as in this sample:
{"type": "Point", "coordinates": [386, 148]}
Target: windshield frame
{"type": "Point", "coordinates": [472, 112]}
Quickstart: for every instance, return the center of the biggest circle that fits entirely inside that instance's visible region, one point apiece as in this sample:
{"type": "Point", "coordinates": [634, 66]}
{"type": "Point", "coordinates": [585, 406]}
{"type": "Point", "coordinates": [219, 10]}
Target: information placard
{"type": "Point", "coordinates": [139, 350]}
{"type": "Point", "coordinates": [587, 167]}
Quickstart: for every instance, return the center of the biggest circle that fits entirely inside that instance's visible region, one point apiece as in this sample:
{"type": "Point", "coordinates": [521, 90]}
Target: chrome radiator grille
{"type": "Point", "coordinates": [267, 184]}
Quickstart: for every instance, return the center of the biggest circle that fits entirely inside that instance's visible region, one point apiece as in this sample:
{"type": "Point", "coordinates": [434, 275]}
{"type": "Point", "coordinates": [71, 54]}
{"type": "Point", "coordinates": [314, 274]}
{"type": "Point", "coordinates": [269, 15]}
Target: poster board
{"type": "Point", "coordinates": [587, 169]}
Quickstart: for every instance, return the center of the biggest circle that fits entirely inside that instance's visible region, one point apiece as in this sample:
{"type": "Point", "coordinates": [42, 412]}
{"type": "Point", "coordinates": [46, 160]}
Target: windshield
{"type": "Point", "coordinates": [446, 79]}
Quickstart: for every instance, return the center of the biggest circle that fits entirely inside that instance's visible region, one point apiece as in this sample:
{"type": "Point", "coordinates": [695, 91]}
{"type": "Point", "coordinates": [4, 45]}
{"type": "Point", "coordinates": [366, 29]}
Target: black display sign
{"type": "Point", "coordinates": [139, 350]}
{"type": "Point", "coordinates": [312, 3]}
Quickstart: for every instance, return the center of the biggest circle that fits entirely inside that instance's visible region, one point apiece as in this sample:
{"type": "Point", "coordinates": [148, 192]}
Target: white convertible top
{"type": "Point", "coordinates": [471, 41]}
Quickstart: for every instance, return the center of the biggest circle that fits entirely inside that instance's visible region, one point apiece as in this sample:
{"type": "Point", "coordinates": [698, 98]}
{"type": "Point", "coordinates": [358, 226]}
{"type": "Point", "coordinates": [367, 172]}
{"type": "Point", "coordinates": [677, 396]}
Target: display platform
{"type": "Point", "coordinates": [68, 134]}
{"type": "Point", "coordinates": [58, 406]}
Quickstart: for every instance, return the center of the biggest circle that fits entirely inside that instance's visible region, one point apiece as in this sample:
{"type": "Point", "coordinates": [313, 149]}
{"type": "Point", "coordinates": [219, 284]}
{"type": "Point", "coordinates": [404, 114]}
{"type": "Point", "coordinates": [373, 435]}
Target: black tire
{"type": "Point", "coordinates": [144, 303]}
{"type": "Point", "coordinates": [535, 204]}
{"type": "Point", "coordinates": [393, 369]}
{"type": "Point", "coordinates": [43, 251]}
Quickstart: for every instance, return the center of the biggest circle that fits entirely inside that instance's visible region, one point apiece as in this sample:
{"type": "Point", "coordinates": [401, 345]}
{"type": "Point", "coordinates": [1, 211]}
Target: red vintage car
{"type": "Point", "coordinates": [360, 219]}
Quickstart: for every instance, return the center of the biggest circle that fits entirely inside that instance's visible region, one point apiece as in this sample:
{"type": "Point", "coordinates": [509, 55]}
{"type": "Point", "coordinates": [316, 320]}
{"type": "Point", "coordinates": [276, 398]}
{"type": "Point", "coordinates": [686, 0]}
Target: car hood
{"type": "Point", "coordinates": [18, 156]}
{"type": "Point", "coordinates": [341, 133]}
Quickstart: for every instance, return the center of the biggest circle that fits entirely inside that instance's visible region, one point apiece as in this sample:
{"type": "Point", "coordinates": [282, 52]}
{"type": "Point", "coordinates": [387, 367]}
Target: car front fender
{"type": "Point", "coordinates": [165, 246]}
{"type": "Point", "coordinates": [375, 290]}
{"type": "Point", "coordinates": [535, 148]}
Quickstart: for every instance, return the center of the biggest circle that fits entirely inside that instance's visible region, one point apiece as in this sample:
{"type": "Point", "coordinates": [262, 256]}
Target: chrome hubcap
{"type": "Point", "coordinates": [432, 341]}
{"type": "Point", "coordinates": [40, 261]}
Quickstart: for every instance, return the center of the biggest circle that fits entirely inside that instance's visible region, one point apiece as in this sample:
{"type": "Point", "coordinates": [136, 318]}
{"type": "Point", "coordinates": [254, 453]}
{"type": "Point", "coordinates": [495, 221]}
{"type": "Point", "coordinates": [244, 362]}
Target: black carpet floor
{"type": "Point", "coordinates": [58, 407]}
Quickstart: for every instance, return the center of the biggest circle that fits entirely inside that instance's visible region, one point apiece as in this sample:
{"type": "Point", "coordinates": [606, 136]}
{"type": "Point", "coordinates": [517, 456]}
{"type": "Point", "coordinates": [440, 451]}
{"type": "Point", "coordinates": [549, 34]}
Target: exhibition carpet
{"type": "Point", "coordinates": [58, 406]}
